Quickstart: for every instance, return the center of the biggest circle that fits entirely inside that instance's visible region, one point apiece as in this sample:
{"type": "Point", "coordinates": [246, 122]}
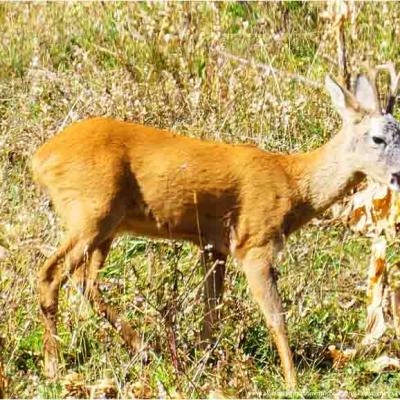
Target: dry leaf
{"type": "Point", "coordinates": [395, 300]}
{"type": "Point", "coordinates": [104, 389]}
{"type": "Point", "coordinates": [74, 386]}
{"type": "Point", "coordinates": [370, 209]}
{"type": "Point", "coordinates": [375, 320]}
{"type": "Point", "coordinates": [375, 325]}
{"type": "Point", "coordinates": [218, 394]}
{"type": "Point", "coordinates": [340, 357]}
{"type": "Point", "coordinates": [384, 363]}
{"type": "Point", "coordinates": [347, 305]}
{"type": "Point", "coordinates": [173, 394]}
{"type": "Point", "coordinates": [341, 395]}
{"type": "Point", "coordinates": [3, 382]}
{"type": "Point", "coordinates": [138, 390]}
{"type": "Point", "coordinates": [381, 206]}
{"type": "Point", "coordinates": [374, 211]}
{"type": "Point", "coordinates": [3, 253]}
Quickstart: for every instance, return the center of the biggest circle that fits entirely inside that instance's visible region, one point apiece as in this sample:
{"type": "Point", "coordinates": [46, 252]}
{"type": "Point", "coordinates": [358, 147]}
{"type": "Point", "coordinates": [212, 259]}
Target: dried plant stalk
{"type": "Point", "coordinates": [395, 300]}
{"type": "Point", "coordinates": [376, 282]}
{"type": "Point", "coordinates": [2, 382]}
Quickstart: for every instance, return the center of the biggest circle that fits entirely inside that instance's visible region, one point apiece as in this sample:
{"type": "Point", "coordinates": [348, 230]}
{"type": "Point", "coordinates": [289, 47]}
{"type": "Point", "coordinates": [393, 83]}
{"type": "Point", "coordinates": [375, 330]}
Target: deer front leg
{"type": "Point", "coordinates": [257, 265]}
{"type": "Point", "coordinates": [214, 268]}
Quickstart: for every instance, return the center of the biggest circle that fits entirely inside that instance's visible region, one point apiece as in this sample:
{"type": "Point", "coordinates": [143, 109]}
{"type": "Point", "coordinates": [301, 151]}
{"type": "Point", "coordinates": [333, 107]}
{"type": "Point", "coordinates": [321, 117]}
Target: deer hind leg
{"type": "Point", "coordinates": [257, 265]}
{"type": "Point", "coordinates": [50, 278]}
{"type": "Point", "coordinates": [86, 232]}
{"type": "Point", "coordinates": [95, 297]}
{"type": "Point", "coordinates": [214, 266]}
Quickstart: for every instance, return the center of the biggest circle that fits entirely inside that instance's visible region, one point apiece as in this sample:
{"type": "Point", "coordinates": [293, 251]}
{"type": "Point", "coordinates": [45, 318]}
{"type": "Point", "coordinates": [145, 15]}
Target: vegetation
{"type": "Point", "coordinates": [163, 64]}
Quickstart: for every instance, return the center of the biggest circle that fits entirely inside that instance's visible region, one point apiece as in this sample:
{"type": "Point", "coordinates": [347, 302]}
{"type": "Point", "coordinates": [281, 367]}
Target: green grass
{"type": "Point", "coordinates": [159, 64]}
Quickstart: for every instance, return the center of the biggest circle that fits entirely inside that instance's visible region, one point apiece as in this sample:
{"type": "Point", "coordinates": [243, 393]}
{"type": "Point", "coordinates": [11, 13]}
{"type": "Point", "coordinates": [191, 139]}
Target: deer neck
{"type": "Point", "coordinates": [327, 173]}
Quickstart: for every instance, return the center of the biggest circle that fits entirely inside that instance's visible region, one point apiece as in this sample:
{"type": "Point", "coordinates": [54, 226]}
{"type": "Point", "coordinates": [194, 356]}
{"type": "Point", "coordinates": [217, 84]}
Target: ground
{"type": "Point", "coordinates": [165, 65]}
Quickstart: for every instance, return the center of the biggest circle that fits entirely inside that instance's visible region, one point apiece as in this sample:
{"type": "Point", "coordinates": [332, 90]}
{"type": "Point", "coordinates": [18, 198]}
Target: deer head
{"type": "Point", "coordinates": [373, 135]}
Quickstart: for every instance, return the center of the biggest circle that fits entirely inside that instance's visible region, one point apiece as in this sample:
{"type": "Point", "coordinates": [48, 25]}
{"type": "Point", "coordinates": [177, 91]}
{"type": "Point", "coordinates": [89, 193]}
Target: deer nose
{"type": "Point", "coordinates": [395, 180]}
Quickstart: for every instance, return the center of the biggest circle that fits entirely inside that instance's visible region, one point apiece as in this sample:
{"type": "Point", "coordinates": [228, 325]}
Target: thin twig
{"type": "Point", "coordinates": [269, 70]}
{"type": "Point", "coordinates": [329, 59]}
{"type": "Point", "coordinates": [341, 53]}
{"type": "Point", "coordinates": [194, 292]}
{"type": "Point", "coordinates": [394, 84]}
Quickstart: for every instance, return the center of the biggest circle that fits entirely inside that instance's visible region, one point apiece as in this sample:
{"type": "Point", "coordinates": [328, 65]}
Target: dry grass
{"type": "Point", "coordinates": [162, 64]}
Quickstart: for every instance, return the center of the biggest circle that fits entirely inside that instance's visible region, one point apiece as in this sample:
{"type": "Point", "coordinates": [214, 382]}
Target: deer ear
{"type": "Point", "coordinates": [343, 101]}
{"type": "Point", "coordinates": [365, 93]}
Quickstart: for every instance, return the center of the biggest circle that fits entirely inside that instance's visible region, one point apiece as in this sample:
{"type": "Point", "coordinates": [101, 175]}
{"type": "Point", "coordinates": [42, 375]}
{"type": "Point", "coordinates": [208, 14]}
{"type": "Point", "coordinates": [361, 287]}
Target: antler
{"type": "Point", "coordinates": [394, 84]}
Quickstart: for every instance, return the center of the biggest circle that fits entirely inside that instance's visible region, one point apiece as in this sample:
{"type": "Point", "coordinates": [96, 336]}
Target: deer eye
{"type": "Point", "coordinates": [378, 140]}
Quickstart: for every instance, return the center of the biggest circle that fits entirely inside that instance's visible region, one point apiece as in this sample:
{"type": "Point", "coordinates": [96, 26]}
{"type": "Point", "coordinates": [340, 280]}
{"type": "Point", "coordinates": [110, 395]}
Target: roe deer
{"type": "Point", "coordinates": [106, 177]}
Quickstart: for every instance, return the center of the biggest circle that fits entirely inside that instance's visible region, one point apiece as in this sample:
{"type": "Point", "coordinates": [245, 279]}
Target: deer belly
{"type": "Point", "coordinates": [152, 227]}
{"type": "Point", "coordinates": [196, 229]}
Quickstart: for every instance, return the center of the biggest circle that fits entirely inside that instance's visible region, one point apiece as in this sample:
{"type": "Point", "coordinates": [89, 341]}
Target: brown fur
{"type": "Point", "coordinates": [106, 177]}
{"type": "Point", "coordinates": [156, 183]}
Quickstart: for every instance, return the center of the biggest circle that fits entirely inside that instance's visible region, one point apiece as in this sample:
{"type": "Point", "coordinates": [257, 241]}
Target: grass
{"type": "Point", "coordinates": [161, 64]}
